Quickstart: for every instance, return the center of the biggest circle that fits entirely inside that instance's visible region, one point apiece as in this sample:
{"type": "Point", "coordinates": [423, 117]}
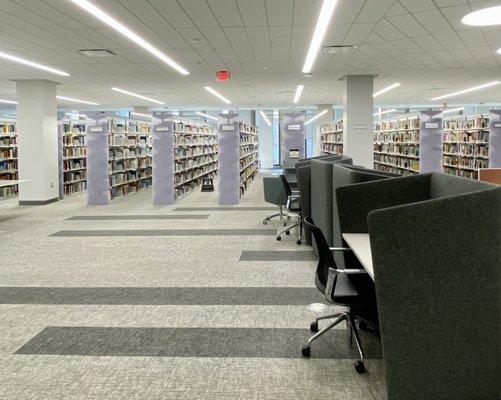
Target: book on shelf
{"type": "Point", "coordinates": [331, 137]}
{"type": "Point", "coordinates": [8, 158]}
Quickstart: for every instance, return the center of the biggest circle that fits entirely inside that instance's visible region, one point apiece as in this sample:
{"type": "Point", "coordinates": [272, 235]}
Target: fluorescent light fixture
{"type": "Point", "coordinates": [119, 27]}
{"type": "Point", "coordinates": [498, 51]}
{"type": "Point", "coordinates": [386, 89]}
{"type": "Point", "coordinates": [265, 117]}
{"type": "Point", "coordinates": [23, 61]}
{"type": "Point", "coordinates": [206, 116]}
{"type": "Point", "coordinates": [76, 100]}
{"type": "Point", "coordinates": [484, 17]}
{"type": "Point", "coordinates": [472, 89]}
{"type": "Point", "coordinates": [3, 101]}
{"type": "Point", "coordinates": [316, 116]}
{"type": "Point", "coordinates": [384, 112]}
{"type": "Point", "coordinates": [141, 114]}
{"type": "Point", "coordinates": [299, 90]}
{"type": "Point", "coordinates": [218, 95]}
{"type": "Point", "coordinates": [451, 110]}
{"type": "Point", "coordinates": [322, 23]}
{"type": "Point", "coordinates": [136, 95]}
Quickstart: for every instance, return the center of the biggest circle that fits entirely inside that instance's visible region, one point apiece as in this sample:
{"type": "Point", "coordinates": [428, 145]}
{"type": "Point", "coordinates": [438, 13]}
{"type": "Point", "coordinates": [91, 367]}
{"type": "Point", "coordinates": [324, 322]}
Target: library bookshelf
{"type": "Point", "coordinates": [466, 145]}
{"type": "Point", "coordinates": [331, 138]}
{"type": "Point", "coordinates": [73, 157]}
{"type": "Point", "coordinates": [396, 145]}
{"type": "Point", "coordinates": [8, 158]}
{"type": "Point", "coordinates": [249, 155]}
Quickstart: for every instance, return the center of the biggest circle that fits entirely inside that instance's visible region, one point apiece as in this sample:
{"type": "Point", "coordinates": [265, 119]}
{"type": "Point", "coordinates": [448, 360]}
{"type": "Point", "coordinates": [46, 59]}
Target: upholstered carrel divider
{"type": "Point", "coordinates": [229, 159]}
{"type": "Point", "coordinates": [163, 158]}
{"type": "Point", "coordinates": [98, 185]}
{"type": "Point", "coordinates": [430, 141]}
{"type": "Point", "coordinates": [495, 139]}
{"type": "Point", "coordinates": [292, 140]}
{"type": "Point", "coordinates": [436, 251]}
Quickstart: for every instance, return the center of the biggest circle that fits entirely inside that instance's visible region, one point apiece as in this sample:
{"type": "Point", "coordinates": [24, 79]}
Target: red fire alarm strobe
{"type": "Point", "coordinates": [223, 76]}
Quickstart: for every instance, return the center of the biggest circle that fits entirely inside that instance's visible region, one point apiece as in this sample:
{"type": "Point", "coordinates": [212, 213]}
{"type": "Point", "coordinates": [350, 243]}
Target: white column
{"type": "Point", "coordinates": [324, 119]}
{"type": "Point", "coordinates": [38, 141]}
{"type": "Point", "coordinates": [357, 119]}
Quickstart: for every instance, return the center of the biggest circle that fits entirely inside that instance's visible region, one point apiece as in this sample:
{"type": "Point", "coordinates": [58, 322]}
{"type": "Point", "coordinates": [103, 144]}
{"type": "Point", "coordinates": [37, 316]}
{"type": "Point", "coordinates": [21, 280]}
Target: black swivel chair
{"type": "Point", "coordinates": [348, 287]}
{"type": "Point", "coordinates": [292, 210]}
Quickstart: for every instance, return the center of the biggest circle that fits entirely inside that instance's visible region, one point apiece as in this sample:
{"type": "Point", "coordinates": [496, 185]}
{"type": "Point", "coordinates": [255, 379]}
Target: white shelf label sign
{"type": "Point", "coordinates": [96, 129]}
{"type": "Point", "coordinates": [359, 126]}
{"type": "Point", "coordinates": [162, 129]}
{"type": "Point", "coordinates": [295, 127]}
{"type": "Point", "coordinates": [431, 125]}
{"type": "Point", "coordinates": [227, 127]}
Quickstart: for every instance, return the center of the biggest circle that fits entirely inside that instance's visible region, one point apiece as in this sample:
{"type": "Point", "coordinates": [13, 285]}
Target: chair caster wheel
{"type": "Point", "coordinates": [265, 222]}
{"type": "Point", "coordinates": [285, 223]}
{"type": "Point", "coordinates": [360, 367]}
{"type": "Point", "coordinates": [314, 327]}
{"type": "Point", "coordinates": [306, 351]}
{"type": "Point", "coordinates": [298, 242]}
{"type": "Point", "coordinates": [279, 238]}
{"type": "Point", "coordinates": [287, 233]}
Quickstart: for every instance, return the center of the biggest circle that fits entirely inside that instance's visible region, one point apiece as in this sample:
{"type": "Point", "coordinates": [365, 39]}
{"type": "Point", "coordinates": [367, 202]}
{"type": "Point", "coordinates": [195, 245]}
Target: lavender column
{"type": "Point", "coordinates": [163, 159]}
{"type": "Point", "coordinates": [430, 141]}
{"type": "Point", "coordinates": [98, 185]}
{"type": "Point", "coordinates": [229, 159]}
{"type": "Point", "coordinates": [495, 139]}
{"type": "Point", "coordinates": [292, 140]}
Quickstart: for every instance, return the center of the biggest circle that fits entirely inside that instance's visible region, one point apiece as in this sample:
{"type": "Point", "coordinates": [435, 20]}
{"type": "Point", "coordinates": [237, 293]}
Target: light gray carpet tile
{"type": "Point", "coordinates": [135, 217]}
{"type": "Point", "coordinates": [277, 256]}
{"type": "Point", "coordinates": [227, 208]}
{"type": "Point", "coordinates": [161, 295]}
{"type": "Point", "coordinates": [192, 342]}
{"type": "Point", "coordinates": [165, 232]}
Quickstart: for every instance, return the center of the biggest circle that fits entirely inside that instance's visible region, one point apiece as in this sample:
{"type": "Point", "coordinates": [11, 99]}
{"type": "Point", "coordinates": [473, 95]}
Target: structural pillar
{"type": "Point", "coordinates": [38, 141]}
{"type": "Point", "coordinates": [322, 120]}
{"type": "Point", "coordinates": [357, 119]}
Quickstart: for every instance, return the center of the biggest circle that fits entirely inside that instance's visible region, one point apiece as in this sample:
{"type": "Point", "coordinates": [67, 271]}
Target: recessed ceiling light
{"type": "Point", "coordinates": [77, 100]}
{"type": "Point", "coordinates": [23, 61]}
{"type": "Point", "coordinates": [206, 116]}
{"type": "Point", "coordinates": [119, 27]}
{"type": "Point", "coordinates": [141, 114]}
{"type": "Point", "coordinates": [316, 116]}
{"type": "Point", "coordinates": [8, 101]}
{"type": "Point", "coordinates": [136, 95]}
{"type": "Point", "coordinates": [265, 117]}
{"type": "Point", "coordinates": [386, 89]}
{"type": "Point", "coordinates": [498, 51]}
{"type": "Point", "coordinates": [451, 110]}
{"type": "Point", "coordinates": [484, 17]}
{"type": "Point", "coordinates": [322, 23]}
{"type": "Point", "coordinates": [218, 95]}
{"type": "Point", "coordinates": [472, 89]}
{"type": "Point", "coordinates": [299, 90]}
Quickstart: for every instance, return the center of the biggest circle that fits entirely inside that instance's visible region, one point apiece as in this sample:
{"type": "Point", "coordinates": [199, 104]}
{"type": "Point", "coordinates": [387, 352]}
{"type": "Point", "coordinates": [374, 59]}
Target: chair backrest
{"type": "Point", "coordinates": [274, 192]}
{"type": "Point", "coordinates": [325, 258]}
{"type": "Point", "coordinates": [286, 185]}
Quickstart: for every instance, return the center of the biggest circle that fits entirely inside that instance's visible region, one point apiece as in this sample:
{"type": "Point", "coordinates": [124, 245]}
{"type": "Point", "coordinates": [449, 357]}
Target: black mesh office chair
{"type": "Point", "coordinates": [292, 210]}
{"type": "Point", "coordinates": [352, 288]}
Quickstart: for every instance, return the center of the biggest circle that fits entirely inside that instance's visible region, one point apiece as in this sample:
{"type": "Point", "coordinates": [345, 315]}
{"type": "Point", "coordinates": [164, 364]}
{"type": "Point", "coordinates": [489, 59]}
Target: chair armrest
{"type": "Point", "coordinates": [352, 271]}
{"type": "Point", "coordinates": [340, 249]}
{"type": "Point", "coordinates": [331, 279]}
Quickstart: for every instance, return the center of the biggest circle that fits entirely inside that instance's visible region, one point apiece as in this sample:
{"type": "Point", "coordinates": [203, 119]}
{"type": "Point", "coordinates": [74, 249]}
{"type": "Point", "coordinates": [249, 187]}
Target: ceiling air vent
{"type": "Point", "coordinates": [330, 50]}
{"type": "Point", "coordinates": [96, 53]}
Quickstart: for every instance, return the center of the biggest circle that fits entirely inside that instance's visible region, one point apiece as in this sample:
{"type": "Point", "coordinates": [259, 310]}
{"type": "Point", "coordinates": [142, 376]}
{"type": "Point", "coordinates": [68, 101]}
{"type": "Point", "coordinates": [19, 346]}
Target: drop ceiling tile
{"type": "Point", "coordinates": [226, 12]}
{"type": "Point", "coordinates": [407, 46]}
{"type": "Point", "coordinates": [408, 25]}
{"type": "Point", "coordinates": [172, 12]}
{"type": "Point", "coordinates": [173, 38]}
{"type": "Point", "coordinates": [450, 40]}
{"type": "Point", "coordinates": [357, 33]}
{"type": "Point", "coordinates": [237, 36]}
{"type": "Point", "coordinates": [253, 12]}
{"type": "Point", "coordinates": [419, 5]}
{"type": "Point", "coordinates": [199, 12]}
{"type": "Point", "coordinates": [306, 12]}
{"type": "Point", "coordinates": [262, 54]}
{"type": "Point", "coordinates": [347, 11]}
{"type": "Point", "coordinates": [482, 52]}
{"type": "Point", "coordinates": [396, 9]}
{"type": "Point", "coordinates": [244, 54]}
{"type": "Point", "coordinates": [442, 55]}
{"type": "Point", "coordinates": [388, 31]}
{"type": "Point", "coordinates": [280, 12]}
{"type": "Point", "coordinates": [280, 54]}
{"type": "Point", "coordinates": [280, 36]}
{"type": "Point", "coordinates": [455, 14]}
{"type": "Point", "coordinates": [433, 21]}
{"type": "Point", "coordinates": [428, 43]}
{"type": "Point", "coordinates": [373, 10]}
{"type": "Point", "coordinates": [472, 38]}
{"type": "Point", "coordinates": [258, 36]}
{"type": "Point", "coordinates": [216, 37]}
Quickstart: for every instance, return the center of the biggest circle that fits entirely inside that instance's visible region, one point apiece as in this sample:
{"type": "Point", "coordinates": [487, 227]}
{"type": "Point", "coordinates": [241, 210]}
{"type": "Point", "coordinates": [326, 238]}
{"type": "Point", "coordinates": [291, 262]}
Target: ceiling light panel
{"type": "Point", "coordinates": [32, 64]}
{"type": "Point", "coordinates": [206, 116]}
{"type": "Point", "coordinates": [129, 34]}
{"type": "Point", "coordinates": [218, 95]}
{"type": "Point", "coordinates": [484, 17]}
{"type": "Point", "coordinates": [468, 90]}
{"type": "Point", "coordinates": [70, 99]}
{"type": "Point", "coordinates": [386, 89]}
{"type": "Point", "coordinates": [3, 101]}
{"type": "Point", "coordinates": [316, 116]}
{"type": "Point", "coordinates": [265, 118]}
{"type": "Point", "coordinates": [136, 95]}
{"type": "Point", "coordinates": [297, 96]}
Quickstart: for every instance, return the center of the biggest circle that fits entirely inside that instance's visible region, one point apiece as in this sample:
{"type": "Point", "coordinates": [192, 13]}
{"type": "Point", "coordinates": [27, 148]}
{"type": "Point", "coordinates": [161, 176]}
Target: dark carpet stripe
{"type": "Point", "coordinates": [161, 295]}
{"type": "Point", "coordinates": [192, 342]}
{"type": "Point", "coordinates": [228, 208]}
{"type": "Point", "coordinates": [135, 217]}
{"type": "Point", "coordinates": [165, 232]}
{"type": "Point", "coordinates": [277, 256]}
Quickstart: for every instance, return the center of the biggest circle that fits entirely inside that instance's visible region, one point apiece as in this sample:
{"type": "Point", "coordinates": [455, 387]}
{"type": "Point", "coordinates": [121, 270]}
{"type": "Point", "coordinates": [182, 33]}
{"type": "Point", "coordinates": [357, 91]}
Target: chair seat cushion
{"type": "Point", "coordinates": [353, 289]}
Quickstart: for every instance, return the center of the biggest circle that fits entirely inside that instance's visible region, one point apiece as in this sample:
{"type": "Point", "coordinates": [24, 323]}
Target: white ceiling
{"type": "Point", "coordinates": [420, 43]}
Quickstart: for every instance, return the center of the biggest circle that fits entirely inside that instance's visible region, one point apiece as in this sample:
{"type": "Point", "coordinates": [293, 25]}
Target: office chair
{"type": "Point", "coordinates": [292, 210]}
{"type": "Point", "coordinates": [352, 288]}
{"type": "Point", "coordinates": [274, 193]}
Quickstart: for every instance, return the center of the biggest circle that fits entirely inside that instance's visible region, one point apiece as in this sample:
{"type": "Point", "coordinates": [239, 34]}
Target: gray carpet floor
{"type": "Point", "coordinates": [114, 314]}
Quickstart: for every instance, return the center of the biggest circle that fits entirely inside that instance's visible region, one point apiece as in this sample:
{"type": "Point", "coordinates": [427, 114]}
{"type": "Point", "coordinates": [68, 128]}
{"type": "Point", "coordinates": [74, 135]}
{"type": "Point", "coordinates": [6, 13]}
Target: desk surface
{"type": "Point", "coordinates": [5, 183]}
{"type": "Point", "coordinates": [361, 246]}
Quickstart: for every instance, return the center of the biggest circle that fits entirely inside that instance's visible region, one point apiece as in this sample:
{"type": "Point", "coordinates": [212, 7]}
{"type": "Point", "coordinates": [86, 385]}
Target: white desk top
{"type": "Point", "coordinates": [361, 246]}
{"type": "Point", "coordinates": [5, 183]}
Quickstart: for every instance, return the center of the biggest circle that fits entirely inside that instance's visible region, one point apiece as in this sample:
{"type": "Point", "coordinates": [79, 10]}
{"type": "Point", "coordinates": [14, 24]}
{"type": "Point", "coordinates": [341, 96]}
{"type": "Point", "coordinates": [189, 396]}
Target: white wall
{"type": "Point", "coordinates": [265, 140]}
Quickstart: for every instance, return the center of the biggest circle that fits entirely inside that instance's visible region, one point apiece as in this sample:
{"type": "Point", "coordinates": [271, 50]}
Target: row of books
{"type": "Point", "coordinates": [475, 122]}
{"type": "Point", "coordinates": [332, 127]}
{"type": "Point", "coordinates": [195, 140]}
{"type": "Point", "coordinates": [74, 176]}
{"type": "Point", "coordinates": [409, 164]}
{"type": "Point", "coordinates": [191, 185]}
{"type": "Point", "coordinates": [8, 153]}
{"type": "Point", "coordinates": [8, 166]}
{"type": "Point", "coordinates": [397, 137]}
{"type": "Point", "coordinates": [187, 163]}
{"type": "Point", "coordinates": [7, 128]}
{"type": "Point", "coordinates": [194, 174]}
{"type": "Point", "coordinates": [126, 125]}
{"type": "Point", "coordinates": [8, 141]}
{"type": "Point", "coordinates": [466, 150]}
{"type": "Point", "coordinates": [193, 128]}
{"type": "Point", "coordinates": [407, 123]}
{"type": "Point", "coordinates": [182, 152]}
{"type": "Point", "coordinates": [8, 158]}
{"type": "Point", "coordinates": [476, 136]}
{"type": "Point", "coordinates": [466, 162]}
{"type": "Point", "coordinates": [397, 149]}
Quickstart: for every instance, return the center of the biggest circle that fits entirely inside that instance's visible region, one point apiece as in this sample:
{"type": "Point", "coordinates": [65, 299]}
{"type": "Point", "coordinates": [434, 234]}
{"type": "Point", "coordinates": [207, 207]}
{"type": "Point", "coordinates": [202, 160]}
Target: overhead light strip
{"type": "Point", "coordinates": [206, 116]}
{"type": "Point", "coordinates": [218, 95]}
{"type": "Point", "coordinates": [324, 17]}
{"type": "Point", "coordinates": [141, 114]}
{"type": "Point", "coordinates": [136, 95]}
{"type": "Point", "coordinates": [77, 100]}
{"type": "Point", "coordinates": [386, 89]}
{"type": "Point", "coordinates": [451, 110]}
{"type": "Point", "coordinates": [3, 101]}
{"type": "Point", "coordinates": [469, 90]}
{"type": "Point", "coordinates": [484, 17]}
{"type": "Point", "coordinates": [316, 116]}
{"type": "Point", "coordinates": [32, 64]}
{"type": "Point", "coordinates": [119, 27]}
{"type": "Point", "coordinates": [299, 90]}
{"type": "Point", "coordinates": [265, 117]}
{"type": "Point", "coordinates": [384, 112]}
